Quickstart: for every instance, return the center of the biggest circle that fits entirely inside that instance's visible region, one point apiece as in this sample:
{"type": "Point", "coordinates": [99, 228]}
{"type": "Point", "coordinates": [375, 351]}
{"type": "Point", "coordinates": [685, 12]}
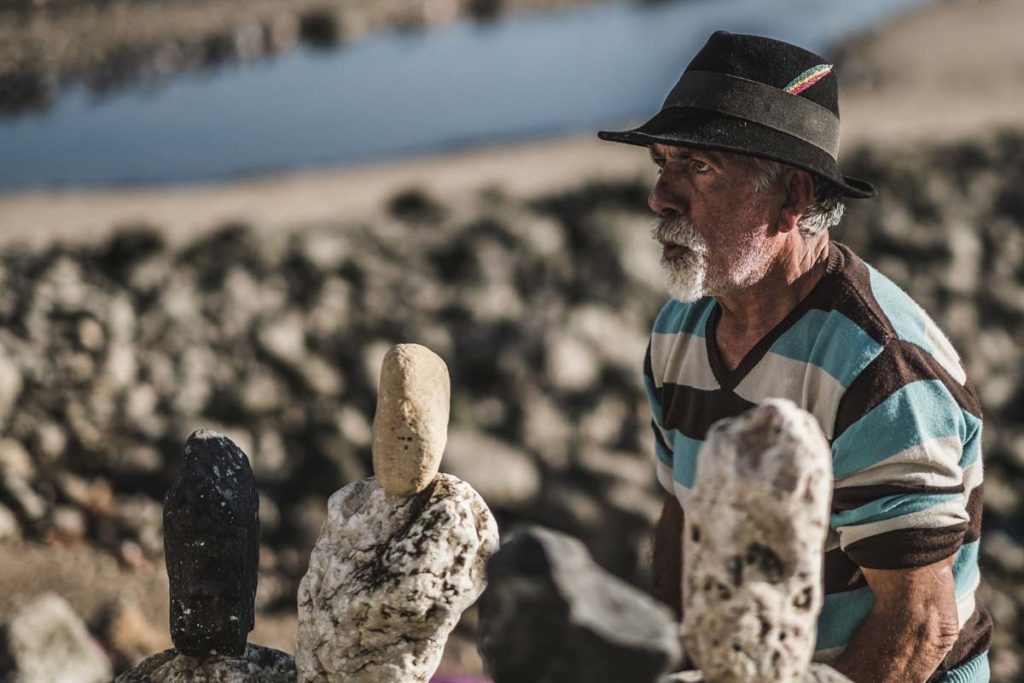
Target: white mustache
{"type": "Point", "coordinates": [678, 230]}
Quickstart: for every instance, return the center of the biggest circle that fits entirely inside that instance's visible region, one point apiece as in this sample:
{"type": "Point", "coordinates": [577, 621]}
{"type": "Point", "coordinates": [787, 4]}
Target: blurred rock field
{"type": "Point", "coordinates": [111, 354]}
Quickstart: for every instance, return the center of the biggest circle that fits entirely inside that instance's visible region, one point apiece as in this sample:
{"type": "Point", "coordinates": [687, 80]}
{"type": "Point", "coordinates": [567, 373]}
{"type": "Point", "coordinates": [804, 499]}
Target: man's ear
{"type": "Point", "coordinates": [798, 186]}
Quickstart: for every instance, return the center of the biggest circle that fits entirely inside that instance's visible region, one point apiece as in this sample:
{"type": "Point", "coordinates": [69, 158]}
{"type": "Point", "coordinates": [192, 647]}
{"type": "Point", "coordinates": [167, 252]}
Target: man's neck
{"type": "Point", "coordinates": [750, 313]}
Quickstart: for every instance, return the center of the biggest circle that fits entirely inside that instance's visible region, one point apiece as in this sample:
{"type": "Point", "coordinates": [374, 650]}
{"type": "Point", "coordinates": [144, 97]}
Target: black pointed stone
{"type": "Point", "coordinates": [211, 541]}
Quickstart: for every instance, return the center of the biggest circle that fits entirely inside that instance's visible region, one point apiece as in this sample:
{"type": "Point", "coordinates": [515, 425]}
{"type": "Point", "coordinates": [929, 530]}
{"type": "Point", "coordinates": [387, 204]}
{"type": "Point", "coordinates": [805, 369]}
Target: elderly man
{"type": "Point", "coordinates": [765, 305]}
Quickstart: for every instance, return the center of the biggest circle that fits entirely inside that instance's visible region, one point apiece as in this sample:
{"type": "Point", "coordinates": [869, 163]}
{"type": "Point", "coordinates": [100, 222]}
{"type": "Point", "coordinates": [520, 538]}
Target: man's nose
{"type": "Point", "coordinates": [663, 201]}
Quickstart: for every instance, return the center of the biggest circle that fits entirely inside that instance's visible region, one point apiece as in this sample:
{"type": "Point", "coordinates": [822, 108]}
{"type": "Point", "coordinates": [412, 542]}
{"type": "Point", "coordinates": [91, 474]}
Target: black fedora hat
{"type": "Point", "coordinates": [755, 96]}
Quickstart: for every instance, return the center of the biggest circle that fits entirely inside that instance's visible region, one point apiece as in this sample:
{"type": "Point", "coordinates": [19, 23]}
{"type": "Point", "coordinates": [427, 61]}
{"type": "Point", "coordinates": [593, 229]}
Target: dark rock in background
{"type": "Point", "coordinates": [550, 614]}
{"type": "Point", "coordinates": [211, 538]}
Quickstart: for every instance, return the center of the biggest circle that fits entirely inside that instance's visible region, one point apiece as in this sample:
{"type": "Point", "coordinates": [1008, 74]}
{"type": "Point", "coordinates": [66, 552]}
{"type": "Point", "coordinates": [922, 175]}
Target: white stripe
{"type": "Point", "coordinates": [947, 513]}
{"type": "Point", "coordinates": [665, 477]}
{"type": "Point", "coordinates": [683, 495]}
{"type": "Point", "coordinates": [943, 351]}
{"type": "Point", "coordinates": [965, 607]}
{"type": "Point", "coordinates": [973, 475]}
{"type": "Point", "coordinates": [807, 385]}
{"type": "Point", "coordinates": [932, 463]}
{"type": "Point", "coordinates": [681, 358]}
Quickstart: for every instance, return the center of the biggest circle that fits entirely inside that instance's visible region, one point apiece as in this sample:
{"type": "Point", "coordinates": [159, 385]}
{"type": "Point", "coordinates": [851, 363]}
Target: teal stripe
{"type": "Point", "coordinates": [679, 317]}
{"type": "Point", "coordinates": [973, 671]}
{"type": "Point", "coordinates": [910, 416]}
{"type": "Point", "coordinates": [832, 342]}
{"type": "Point", "coordinates": [663, 454]}
{"type": "Point", "coordinates": [972, 445]}
{"type": "Point", "coordinates": [906, 316]}
{"type": "Point", "coordinates": [841, 616]}
{"type": "Point", "coordinates": [891, 507]}
{"type": "Point", "coordinates": [965, 568]}
{"type": "Point", "coordinates": [652, 399]}
{"type": "Point", "coordinates": [684, 458]}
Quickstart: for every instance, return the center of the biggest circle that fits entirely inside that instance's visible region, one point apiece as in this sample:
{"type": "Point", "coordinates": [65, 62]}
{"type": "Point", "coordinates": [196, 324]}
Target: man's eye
{"type": "Point", "coordinates": [700, 166]}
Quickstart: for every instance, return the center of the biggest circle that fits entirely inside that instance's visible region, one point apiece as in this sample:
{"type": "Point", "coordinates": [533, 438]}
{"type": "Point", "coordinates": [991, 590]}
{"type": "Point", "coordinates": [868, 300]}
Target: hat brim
{"type": "Point", "coordinates": [700, 128]}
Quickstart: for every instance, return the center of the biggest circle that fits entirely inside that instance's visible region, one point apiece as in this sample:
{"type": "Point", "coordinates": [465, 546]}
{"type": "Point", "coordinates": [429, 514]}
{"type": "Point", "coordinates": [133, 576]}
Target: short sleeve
{"type": "Point", "coordinates": [906, 460]}
{"type": "Point", "coordinates": [662, 450]}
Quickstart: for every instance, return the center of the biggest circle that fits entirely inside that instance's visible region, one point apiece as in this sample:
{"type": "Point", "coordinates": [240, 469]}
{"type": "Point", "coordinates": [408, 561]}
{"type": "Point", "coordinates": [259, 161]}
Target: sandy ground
{"type": "Point", "coordinates": [947, 71]}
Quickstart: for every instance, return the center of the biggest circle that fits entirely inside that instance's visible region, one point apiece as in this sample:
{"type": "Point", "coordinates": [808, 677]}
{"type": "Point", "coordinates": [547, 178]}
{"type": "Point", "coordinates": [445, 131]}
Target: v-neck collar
{"type": "Point", "coordinates": [729, 379]}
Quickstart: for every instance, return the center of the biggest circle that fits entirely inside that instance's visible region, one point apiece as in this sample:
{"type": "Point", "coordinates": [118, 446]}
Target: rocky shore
{"type": "Point", "coordinates": [112, 353]}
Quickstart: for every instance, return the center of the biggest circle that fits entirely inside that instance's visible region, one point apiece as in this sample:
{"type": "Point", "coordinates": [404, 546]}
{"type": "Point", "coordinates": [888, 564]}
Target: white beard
{"type": "Point", "coordinates": [685, 277]}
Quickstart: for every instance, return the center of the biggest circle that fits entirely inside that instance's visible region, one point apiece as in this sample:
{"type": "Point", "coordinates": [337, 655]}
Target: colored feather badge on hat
{"type": "Point", "coordinates": [808, 78]}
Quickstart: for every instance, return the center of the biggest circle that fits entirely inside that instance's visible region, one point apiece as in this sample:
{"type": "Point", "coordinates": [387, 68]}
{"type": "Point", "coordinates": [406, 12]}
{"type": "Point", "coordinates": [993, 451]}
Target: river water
{"type": "Point", "coordinates": [395, 94]}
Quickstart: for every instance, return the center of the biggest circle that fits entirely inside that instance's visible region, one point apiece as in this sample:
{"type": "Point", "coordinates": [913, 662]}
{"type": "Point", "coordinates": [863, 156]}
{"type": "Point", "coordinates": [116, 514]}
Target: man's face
{"type": "Point", "coordinates": [716, 227]}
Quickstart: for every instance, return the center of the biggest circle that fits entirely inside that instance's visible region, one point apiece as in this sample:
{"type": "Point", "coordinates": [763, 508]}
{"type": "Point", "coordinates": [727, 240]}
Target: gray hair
{"type": "Point", "coordinates": [826, 207]}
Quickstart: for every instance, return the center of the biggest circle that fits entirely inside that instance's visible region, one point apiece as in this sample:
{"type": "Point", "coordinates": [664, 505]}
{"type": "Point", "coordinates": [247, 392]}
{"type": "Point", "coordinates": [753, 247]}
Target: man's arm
{"type": "Point", "coordinates": [668, 556]}
{"type": "Point", "coordinates": [909, 630]}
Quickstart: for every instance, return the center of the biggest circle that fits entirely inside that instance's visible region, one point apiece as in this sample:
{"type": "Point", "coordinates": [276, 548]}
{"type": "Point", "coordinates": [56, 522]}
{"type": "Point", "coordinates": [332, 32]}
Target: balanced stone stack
{"type": "Point", "coordinates": [753, 540]}
{"type": "Point", "coordinates": [211, 541]}
{"type": "Point", "coordinates": [401, 555]}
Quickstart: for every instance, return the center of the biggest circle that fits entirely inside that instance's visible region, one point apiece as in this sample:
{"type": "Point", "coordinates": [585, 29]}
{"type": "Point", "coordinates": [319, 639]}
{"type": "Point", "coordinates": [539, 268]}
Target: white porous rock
{"type": "Point", "coordinates": [753, 542]}
{"type": "Point", "coordinates": [388, 580]}
{"type": "Point", "coordinates": [410, 428]}
{"type": "Point", "coordinates": [817, 673]}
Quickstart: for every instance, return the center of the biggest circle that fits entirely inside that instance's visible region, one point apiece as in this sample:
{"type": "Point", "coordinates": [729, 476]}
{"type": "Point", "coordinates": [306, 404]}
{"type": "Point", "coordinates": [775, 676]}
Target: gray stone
{"type": "Point", "coordinates": [550, 614]}
{"type": "Point", "coordinates": [755, 527]}
{"type": "Point", "coordinates": [388, 580]}
{"type": "Point", "coordinates": [45, 641]}
{"type": "Point", "coordinates": [410, 427]}
{"type": "Point", "coordinates": [257, 664]}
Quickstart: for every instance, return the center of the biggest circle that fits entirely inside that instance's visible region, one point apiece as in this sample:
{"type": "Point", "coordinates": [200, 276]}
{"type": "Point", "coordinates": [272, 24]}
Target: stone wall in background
{"type": "Point", "coordinates": [111, 355]}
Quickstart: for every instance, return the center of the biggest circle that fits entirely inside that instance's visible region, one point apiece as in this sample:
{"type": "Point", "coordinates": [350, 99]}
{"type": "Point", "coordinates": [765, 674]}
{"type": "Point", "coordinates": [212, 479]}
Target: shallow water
{"type": "Point", "coordinates": [398, 94]}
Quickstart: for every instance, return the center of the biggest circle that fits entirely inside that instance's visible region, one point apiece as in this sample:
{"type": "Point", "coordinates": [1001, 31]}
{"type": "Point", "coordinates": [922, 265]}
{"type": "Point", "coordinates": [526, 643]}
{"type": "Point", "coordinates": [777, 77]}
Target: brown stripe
{"type": "Point", "coordinates": [975, 639]}
{"type": "Point", "coordinates": [899, 364]}
{"type": "Point", "coordinates": [855, 300]}
{"type": "Point", "coordinates": [693, 411]}
{"type": "Point", "coordinates": [854, 496]}
{"type": "Point", "coordinates": [906, 548]}
{"type": "Point", "coordinates": [975, 505]}
{"type": "Point", "coordinates": [648, 366]}
{"type": "Point", "coordinates": [841, 573]}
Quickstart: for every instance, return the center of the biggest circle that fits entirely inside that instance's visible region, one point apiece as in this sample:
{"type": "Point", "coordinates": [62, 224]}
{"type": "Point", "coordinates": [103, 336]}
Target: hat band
{"type": "Point", "coordinates": [759, 103]}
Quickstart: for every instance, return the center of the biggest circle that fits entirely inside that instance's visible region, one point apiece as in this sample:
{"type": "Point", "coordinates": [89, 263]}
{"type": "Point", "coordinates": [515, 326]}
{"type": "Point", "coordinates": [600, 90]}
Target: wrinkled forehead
{"type": "Point", "coordinates": [680, 152]}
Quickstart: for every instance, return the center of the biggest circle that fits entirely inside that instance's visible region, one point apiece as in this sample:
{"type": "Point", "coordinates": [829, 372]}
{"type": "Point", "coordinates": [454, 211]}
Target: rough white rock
{"type": "Point", "coordinates": [410, 428]}
{"type": "Point", "coordinates": [753, 541]}
{"type": "Point", "coordinates": [818, 673]}
{"type": "Point", "coordinates": [257, 665]}
{"type": "Point", "coordinates": [45, 641]}
{"type": "Point", "coordinates": [388, 580]}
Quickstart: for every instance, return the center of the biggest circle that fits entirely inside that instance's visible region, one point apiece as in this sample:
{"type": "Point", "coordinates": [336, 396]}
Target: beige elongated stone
{"type": "Point", "coordinates": [753, 542]}
{"type": "Point", "coordinates": [410, 428]}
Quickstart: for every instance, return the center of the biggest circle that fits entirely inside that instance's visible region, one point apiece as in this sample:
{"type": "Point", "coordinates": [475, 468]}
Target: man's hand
{"type": "Point", "coordinates": [668, 556]}
{"type": "Point", "coordinates": [909, 630]}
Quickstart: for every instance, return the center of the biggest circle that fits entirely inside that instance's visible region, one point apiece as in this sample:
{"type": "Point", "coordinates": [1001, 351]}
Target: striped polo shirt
{"type": "Point", "coordinates": [902, 419]}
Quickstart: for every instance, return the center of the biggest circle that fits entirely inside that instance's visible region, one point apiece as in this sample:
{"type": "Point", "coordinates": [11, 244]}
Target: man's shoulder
{"type": "Point", "coordinates": [890, 316]}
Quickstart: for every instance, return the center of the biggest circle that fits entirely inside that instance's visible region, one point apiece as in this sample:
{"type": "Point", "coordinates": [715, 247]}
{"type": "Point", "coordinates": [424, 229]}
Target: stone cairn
{"type": "Point", "coordinates": [753, 538]}
{"type": "Point", "coordinates": [211, 544]}
{"type": "Point", "coordinates": [401, 555]}
{"type": "Point", "coordinates": [752, 588]}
